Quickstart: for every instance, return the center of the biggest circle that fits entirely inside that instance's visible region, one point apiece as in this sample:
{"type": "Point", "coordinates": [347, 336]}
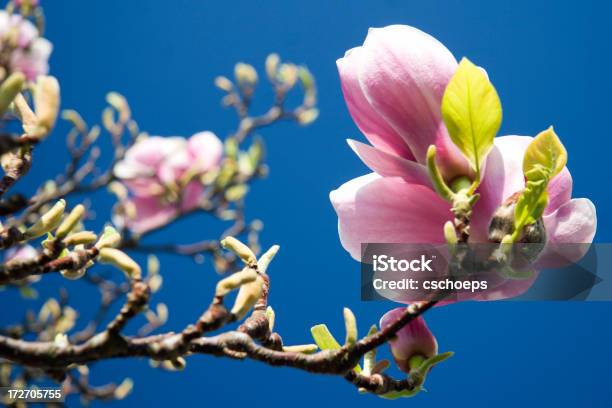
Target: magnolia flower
{"type": "Point", "coordinates": [29, 53]}
{"type": "Point", "coordinates": [162, 175]}
{"type": "Point", "coordinates": [414, 339]}
{"type": "Point", "coordinates": [393, 86]}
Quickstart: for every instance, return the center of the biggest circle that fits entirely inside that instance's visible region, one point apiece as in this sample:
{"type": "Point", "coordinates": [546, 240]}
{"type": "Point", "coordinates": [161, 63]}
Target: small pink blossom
{"type": "Point", "coordinates": [161, 173]}
{"type": "Point", "coordinates": [393, 85]}
{"type": "Point", "coordinates": [414, 339]}
{"type": "Point", "coordinates": [30, 53]}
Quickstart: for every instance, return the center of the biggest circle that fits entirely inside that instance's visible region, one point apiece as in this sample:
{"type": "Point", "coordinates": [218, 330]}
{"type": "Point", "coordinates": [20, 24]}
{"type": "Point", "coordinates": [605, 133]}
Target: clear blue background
{"type": "Point", "coordinates": [550, 62]}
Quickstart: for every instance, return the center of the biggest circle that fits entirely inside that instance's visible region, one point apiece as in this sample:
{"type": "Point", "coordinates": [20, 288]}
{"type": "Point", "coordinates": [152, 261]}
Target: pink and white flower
{"type": "Point", "coordinates": [393, 85]}
{"type": "Point", "coordinates": [162, 175]}
{"type": "Point", "coordinates": [414, 339]}
{"type": "Point", "coordinates": [29, 53]}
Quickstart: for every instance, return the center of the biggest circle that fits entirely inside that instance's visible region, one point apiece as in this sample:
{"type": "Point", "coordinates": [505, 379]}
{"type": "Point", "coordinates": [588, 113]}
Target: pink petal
{"type": "Point", "coordinates": [572, 224]}
{"type": "Point", "coordinates": [191, 195]}
{"type": "Point", "coordinates": [503, 176]}
{"type": "Point", "coordinates": [151, 213]}
{"type": "Point", "coordinates": [373, 209]}
{"type": "Point", "coordinates": [403, 75]}
{"type": "Point", "coordinates": [389, 165]}
{"type": "Point", "coordinates": [373, 126]}
{"type": "Point", "coordinates": [205, 150]}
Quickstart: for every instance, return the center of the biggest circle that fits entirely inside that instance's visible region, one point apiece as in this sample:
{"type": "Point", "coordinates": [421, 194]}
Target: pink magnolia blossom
{"type": "Point", "coordinates": [161, 174]}
{"type": "Point", "coordinates": [415, 338]}
{"type": "Point", "coordinates": [30, 53]}
{"type": "Point", "coordinates": [393, 85]}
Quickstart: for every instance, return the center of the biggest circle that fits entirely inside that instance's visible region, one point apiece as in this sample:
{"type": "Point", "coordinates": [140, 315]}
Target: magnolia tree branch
{"type": "Point", "coordinates": [44, 234]}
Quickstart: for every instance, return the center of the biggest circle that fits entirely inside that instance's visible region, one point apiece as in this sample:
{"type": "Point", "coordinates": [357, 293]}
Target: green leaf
{"type": "Point", "coordinates": [472, 112]}
{"type": "Point", "coordinates": [350, 324]}
{"type": "Point", "coordinates": [325, 340]}
{"type": "Point", "coordinates": [547, 151]}
{"type": "Point", "coordinates": [544, 158]}
{"type": "Point", "coordinates": [323, 337]}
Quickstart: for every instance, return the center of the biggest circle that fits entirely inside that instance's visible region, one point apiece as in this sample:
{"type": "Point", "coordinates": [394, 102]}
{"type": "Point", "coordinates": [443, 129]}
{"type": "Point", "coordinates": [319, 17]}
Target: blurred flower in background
{"type": "Point", "coordinates": [162, 175]}
{"type": "Point", "coordinates": [21, 47]}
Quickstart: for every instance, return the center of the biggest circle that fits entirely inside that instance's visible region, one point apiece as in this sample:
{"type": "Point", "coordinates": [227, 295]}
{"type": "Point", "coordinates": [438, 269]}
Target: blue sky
{"type": "Point", "coordinates": [549, 61]}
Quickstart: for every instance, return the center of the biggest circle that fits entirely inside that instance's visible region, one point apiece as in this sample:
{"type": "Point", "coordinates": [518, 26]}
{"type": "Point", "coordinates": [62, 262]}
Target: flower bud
{"type": "Point", "coordinates": [234, 281]}
{"type": "Point", "coordinates": [240, 249]}
{"type": "Point", "coordinates": [288, 75]}
{"type": "Point", "coordinates": [70, 221]}
{"type": "Point", "coordinates": [412, 342]}
{"type": "Point", "coordinates": [245, 74]}
{"type": "Point", "coordinates": [46, 102]}
{"type": "Point", "coordinates": [121, 260]}
{"type": "Point", "coordinates": [124, 389]}
{"type": "Point", "coordinates": [272, 66]}
{"type": "Point", "coordinates": [48, 221]}
{"type": "Point", "coordinates": [9, 89]}
{"type": "Point", "coordinates": [248, 295]}
{"type": "Point", "coordinates": [223, 83]}
{"type": "Point", "coordinates": [80, 238]}
{"type": "Point", "coordinates": [266, 258]}
{"type": "Point", "coordinates": [306, 117]}
{"type": "Point", "coordinates": [110, 238]}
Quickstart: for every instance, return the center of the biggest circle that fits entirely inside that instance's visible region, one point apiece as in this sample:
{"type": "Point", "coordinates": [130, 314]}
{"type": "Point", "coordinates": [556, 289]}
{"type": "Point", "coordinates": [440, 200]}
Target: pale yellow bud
{"type": "Point", "coordinates": [70, 221]}
{"type": "Point", "coordinates": [272, 66]}
{"type": "Point", "coordinates": [234, 281]}
{"type": "Point", "coordinates": [120, 260]}
{"type": "Point", "coordinates": [46, 102]}
{"type": "Point", "coordinates": [80, 238]}
{"type": "Point", "coordinates": [248, 295]}
{"type": "Point", "coordinates": [224, 84]}
{"type": "Point", "coordinates": [240, 249]}
{"type": "Point", "coordinates": [245, 74]}
{"type": "Point", "coordinates": [110, 238]}
{"type": "Point", "coordinates": [9, 89]}
{"type": "Point", "coordinates": [48, 221]}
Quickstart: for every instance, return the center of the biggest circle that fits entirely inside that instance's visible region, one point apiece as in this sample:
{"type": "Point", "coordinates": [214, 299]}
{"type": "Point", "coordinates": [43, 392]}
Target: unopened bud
{"type": "Point", "coordinates": [266, 258]}
{"type": "Point", "coordinates": [248, 295]}
{"type": "Point", "coordinates": [350, 324]}
{"type": "Point", "coordinates": [288, 75]}
{"type": "Point", "coordinates": [308, 116]}
{"type": "Point", "coordinates": [118, 101]}
{"type": "Point", "coordinates": [110, 238]}
{"type": "Point", "coordinates": [48, 221]}
{"type": "Point", "coordinates": [272, 66]}
{"type": "Point", "coordinates": [80, 238]}
{"type": "Point", "coordinates": [120, 260]}
{"type": "Point", "coordinates": [271, 317]}
{"type": "Point", "coordinates": [224, 84]}
{"type": "Point", "coordinates": [245, 74]}
{"type": "Point", "coordinates": [9, 89]}
{"type": "Point", "coordinates": [450, 233]}
{"type": "Point", "coordinates": [124, 389]}
{"type": "Point", "coordinates": [240, 249]}
{"type": "Point", "coordinates": [46, 102]}
{"type": "Point", "coordinates": [70, 221]}
{"type": "Point", "coordinates": [119, 190]}
{"type": "Point", "coordinates": [234, 281]}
